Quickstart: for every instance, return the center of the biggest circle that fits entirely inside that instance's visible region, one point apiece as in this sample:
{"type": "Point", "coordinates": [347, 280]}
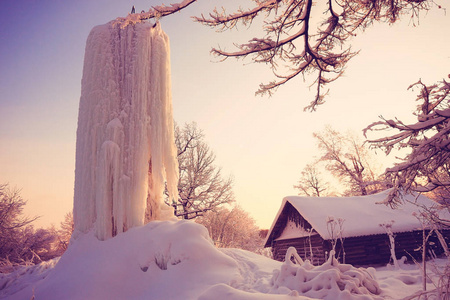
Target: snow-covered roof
{"type": "Point", "coordinates": [362, 214]}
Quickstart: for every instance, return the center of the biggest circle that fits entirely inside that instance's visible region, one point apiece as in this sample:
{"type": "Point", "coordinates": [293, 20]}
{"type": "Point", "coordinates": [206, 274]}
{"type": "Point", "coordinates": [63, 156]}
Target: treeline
{"type": "Point", "coordinates": [20, 242]}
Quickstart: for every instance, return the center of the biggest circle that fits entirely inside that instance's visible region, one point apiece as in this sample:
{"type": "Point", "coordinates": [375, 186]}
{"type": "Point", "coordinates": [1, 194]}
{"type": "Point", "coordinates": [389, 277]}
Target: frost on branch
{"type": "Point", "coordinates": [331, 280]}
{"type": "Point", "coordinates": [125, 148]}
{"type": "Point", "coordinates": [155, 12]}
{"type": "Point", "coordinates": [294, 44]}
{"type": "Point", "coordinates": [426, 167]}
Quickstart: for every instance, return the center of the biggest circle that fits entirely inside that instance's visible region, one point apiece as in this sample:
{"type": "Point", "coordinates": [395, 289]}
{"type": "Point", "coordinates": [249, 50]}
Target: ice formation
{"type": "Point", "coordinates": [125, 148]}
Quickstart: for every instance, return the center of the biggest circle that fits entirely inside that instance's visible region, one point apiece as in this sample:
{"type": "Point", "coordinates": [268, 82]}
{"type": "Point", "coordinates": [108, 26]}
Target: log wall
{"type": "Point", "coordinates": [364, 250]}
{"type": "Point", "coordinates": [303, 247]}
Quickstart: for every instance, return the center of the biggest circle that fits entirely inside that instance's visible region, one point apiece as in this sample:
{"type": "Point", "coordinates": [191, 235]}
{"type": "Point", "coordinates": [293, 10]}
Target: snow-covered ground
{"type": "Point", "coordinates": [177, 260]}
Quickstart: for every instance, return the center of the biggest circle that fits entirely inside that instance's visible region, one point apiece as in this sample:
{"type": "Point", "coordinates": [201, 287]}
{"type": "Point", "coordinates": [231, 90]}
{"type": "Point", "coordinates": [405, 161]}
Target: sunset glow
{"type": "Point", "coordinates": [262, 142]}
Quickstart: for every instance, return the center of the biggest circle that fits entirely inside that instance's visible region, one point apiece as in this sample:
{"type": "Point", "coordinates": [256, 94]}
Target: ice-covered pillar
{"type": "Point", "coordinates": [125, 149]}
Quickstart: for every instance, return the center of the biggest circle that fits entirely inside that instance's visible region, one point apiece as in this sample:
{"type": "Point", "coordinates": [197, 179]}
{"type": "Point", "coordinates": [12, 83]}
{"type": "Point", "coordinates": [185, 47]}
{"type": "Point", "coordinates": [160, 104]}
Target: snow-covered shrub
{"type": "Point", "coordinates": [23, 276]}
{"type": "Point", "coordinates": [331, 280]}
{"type": "Point", "coordinates": [388, 228]}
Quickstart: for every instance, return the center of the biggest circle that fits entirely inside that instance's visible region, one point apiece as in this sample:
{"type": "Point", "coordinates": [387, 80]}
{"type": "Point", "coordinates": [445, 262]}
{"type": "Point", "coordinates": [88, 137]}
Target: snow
{"type": "Point", "coordinates": [155, 12]}
{"type": "Point", "coordinates": [292, 231]}
{"type": "Point", "coordinates": [125, 149]}
{"type": "Point", "coordinates": [329, 281]}
{"type": "Point", "coordinates": [177, 260]}
{"type": "Point", "coordinates": [362, 215]}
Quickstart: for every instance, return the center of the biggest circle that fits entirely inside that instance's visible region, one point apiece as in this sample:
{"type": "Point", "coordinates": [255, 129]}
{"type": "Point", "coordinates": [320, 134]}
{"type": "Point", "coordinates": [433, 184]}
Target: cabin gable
{"type": "Point", "coordinates": [290, 224]}
{"type": "Point", "coordinates": [292, 230]}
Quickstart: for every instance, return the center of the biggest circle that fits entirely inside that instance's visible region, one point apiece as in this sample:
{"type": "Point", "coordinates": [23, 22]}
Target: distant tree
{"type": "Point", "coordinates": [202, 186]}
{"type": "Point", "coordinates": [35, 245]}
{"type": "Point", "coordinates": [232, 228]}
{"type": "Point", "coordinates": [426, 167]}
{"type": "Point", "coordinates": [11, 208]}
{"type": "Point", "coordinates": [293, 42]}
{"type": "Point", "coordinates": [311, 183]}
{"type": "Point", "coordinates": [20, 243]}
{"type": "Point", "coordinates": [12, 223]}
{"type": "Point", "coordinates": [349, 161]}
{"type": "Point", "coordinates": [442, 192]}
{"type": "Point", "coordinates": [64, 233]}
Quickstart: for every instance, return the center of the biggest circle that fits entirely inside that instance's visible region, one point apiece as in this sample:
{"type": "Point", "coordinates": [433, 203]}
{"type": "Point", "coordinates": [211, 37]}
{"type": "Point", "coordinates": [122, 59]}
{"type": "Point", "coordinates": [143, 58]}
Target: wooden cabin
{"type": "Point", "coordinates": [306, 223]}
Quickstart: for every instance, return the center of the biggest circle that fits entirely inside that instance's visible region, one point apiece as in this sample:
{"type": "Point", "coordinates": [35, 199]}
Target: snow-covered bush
{"type": "Point", "coordinates": [331, 280]}
{"type": "Point", "coordinates": [24, 276]}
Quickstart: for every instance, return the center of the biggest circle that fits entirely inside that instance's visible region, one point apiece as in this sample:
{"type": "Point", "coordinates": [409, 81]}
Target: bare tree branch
{"type": "Point", "coordinates": [201, 186]}
{"type": "Point", "coordinates": [311, 184]}
{"type": "Point", "coordinates": [291, 45]}
{"type": "Point", "coordinates": [348, 160]}
{"type": "Point", "coordinates": [155, 12]}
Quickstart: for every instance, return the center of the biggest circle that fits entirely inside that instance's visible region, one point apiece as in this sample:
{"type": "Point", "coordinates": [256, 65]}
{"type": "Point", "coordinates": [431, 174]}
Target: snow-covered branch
{"type": "Point", "coordinates": [202, 186]}
{"type": "Point", "coordinates": [154, 12]}
{"type": "Point", "coordinates": [426, 168]}
{"type": "Point", "coordinates": [289, 43]}
{"type": "Point", "coordinates": [291, 46]}
{"type": "Point", "coordinates": [229, 21]}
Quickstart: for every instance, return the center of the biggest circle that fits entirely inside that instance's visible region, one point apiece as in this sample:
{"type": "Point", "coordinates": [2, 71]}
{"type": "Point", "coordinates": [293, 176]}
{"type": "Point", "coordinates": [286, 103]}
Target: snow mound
{"type": "Point", "coordinates": [162, 260]}
{"type": "Point", "coordinates": [23, 276]}
{"type": "Point", "coordinates": [331, 280]}
{"type": "Point", "coordinates": [229, 293]}
{"type": "Point", "coordinates": [177, 260]}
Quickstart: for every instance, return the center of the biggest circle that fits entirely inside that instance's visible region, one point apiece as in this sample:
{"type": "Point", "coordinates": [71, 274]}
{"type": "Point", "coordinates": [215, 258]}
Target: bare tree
{"type": "Point", "coordinates": [64, 233]}
{"type": "Point", "coordinates": [20, 243]}
{"type": "Point", "coordinates": [292, 42]}
{"type": "Point", "coordinates": [348, 160]}
{"type": "Point", "coordinates": [11, 208]}
{"type": "Point", "coordinates": [426, 167]}
{"type": "Point", "coordinates": [12, 223]}
{"type": "Point", "coordinates": [311, 184]}
{"type": "Point", "coordinates": [201, 186]}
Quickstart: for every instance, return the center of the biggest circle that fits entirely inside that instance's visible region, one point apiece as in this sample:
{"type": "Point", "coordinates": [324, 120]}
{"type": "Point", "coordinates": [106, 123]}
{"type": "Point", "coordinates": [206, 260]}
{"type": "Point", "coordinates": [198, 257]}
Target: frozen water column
{"type": "Point", "coordinates": [125, 148]}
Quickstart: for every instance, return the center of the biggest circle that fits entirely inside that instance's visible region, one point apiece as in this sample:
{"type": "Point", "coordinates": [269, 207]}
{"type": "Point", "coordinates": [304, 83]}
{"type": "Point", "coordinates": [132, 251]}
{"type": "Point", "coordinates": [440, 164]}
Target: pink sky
{"type": "Point", "coordinates": [262, 142]}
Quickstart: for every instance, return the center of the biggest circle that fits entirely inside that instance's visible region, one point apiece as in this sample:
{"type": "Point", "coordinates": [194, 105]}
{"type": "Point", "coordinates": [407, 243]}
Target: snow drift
{"type": "Point", "coordinates": [163, 260]}
{"type": "Point", "coordinates": [177, 260]}
{"type": "Point", "coordinates": [125, 143]}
